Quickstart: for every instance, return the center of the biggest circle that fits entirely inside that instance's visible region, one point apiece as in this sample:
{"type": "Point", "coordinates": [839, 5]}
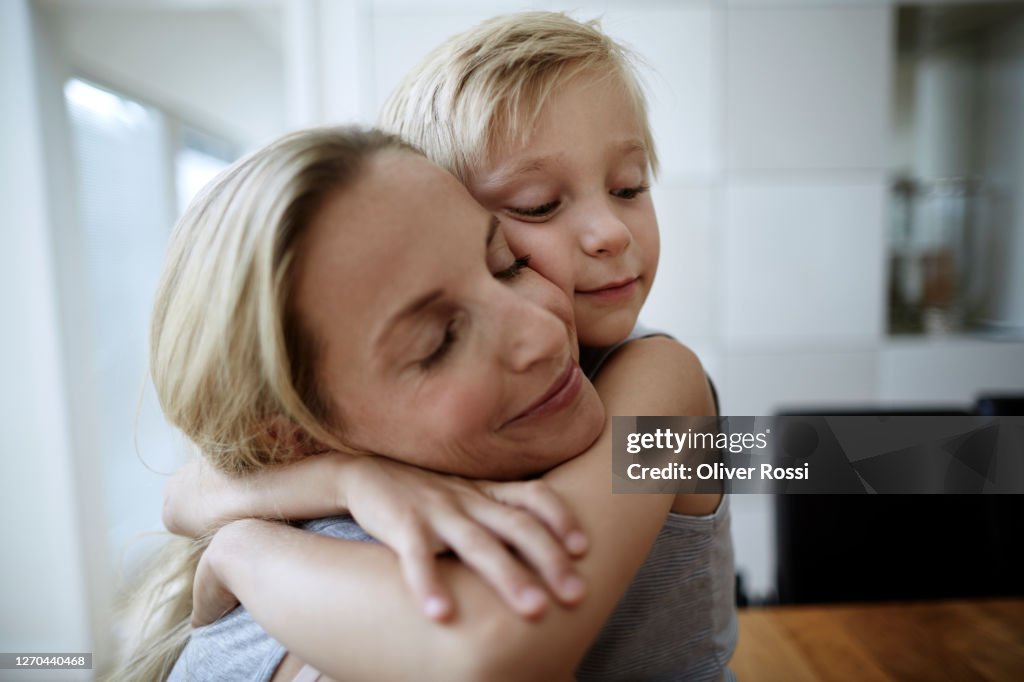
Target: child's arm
{"type": "Point", "coordinates": [340, 606]}
{"type": "Point", "coordinates": [199, 499]}
{"type": "Point", "coordinates": [494, 527]}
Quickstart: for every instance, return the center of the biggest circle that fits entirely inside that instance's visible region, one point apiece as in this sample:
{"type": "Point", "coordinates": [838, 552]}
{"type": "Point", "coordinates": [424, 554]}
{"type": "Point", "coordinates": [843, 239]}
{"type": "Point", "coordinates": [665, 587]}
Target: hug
{"type": "Point", "coordinates": [397, 353]}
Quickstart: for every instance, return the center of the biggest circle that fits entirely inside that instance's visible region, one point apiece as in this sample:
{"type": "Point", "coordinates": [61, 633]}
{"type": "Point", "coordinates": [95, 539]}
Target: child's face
{"type": "Point", "coordinates": [575, 199]}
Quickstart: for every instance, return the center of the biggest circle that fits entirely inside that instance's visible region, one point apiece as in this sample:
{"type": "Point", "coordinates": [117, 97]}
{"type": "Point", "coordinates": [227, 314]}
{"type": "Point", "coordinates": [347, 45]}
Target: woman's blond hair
{"type": "Point", "coordinates": [232, 363]}
{"type": "Point", "coordinates": [489, 84]}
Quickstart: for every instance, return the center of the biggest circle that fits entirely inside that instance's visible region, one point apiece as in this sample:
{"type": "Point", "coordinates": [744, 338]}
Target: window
{"type": "Point", "coordinates": [136, 169]}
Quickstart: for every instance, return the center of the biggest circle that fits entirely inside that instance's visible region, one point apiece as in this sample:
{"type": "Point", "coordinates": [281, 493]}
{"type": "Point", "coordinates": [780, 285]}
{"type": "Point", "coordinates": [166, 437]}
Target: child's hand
{"type": "Point", "coordinates": [518, 536]}
{"type": "Point", "coordinates": [198, 499]}
{"type": "Point", "coordinates": [510, 533]}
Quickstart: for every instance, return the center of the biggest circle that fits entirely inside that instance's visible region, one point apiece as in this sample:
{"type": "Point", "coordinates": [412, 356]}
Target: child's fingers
{"type": "Point", "coordinates": [419, 566]}
{"type": "Point", "coordinates": [479, 549]}
{"type": "Point", "coordinates": [539, 499]}
{"type": "Point", "coordinates": [537, 546]}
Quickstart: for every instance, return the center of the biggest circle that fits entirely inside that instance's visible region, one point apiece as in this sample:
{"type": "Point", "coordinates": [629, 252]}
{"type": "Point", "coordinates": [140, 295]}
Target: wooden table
{"type": "Point", "coordinates": [948, 640]}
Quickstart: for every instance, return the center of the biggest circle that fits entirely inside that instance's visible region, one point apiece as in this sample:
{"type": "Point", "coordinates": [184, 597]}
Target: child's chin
{"type": "Point", "coordinates": [604, 325]}
{"type": "Point", "coordinates": [609, 330]}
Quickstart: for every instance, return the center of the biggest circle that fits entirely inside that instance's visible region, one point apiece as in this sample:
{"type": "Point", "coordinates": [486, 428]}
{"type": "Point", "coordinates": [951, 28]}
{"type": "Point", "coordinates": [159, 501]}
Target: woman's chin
{"type": "Point", "coordinates": [584, 431]}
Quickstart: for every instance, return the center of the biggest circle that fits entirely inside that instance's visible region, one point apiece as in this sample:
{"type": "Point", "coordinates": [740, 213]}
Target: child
{"type": "Point", "coordinates": [543, 120]}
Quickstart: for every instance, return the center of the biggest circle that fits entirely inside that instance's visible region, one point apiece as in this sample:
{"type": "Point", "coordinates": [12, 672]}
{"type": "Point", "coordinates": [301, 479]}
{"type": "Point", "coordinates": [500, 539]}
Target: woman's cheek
{"type": "Point", "coordinates": [470, 411]}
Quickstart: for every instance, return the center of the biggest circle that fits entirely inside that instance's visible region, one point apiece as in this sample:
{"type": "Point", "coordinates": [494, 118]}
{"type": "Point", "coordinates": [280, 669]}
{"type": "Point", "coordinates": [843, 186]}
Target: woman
{"type": "Point", "coordinates": [276, 326]}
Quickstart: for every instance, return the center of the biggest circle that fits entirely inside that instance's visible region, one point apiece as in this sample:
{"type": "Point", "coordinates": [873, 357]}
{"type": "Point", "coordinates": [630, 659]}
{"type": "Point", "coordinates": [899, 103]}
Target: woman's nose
{"type": "Point", "coordinates": [533, 333]}
{"type": "Point", "coordinates": [602, 232]}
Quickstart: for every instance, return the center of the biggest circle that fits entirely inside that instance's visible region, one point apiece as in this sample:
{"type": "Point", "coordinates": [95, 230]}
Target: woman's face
{"type": "Point", "coordinates": [436, 347]}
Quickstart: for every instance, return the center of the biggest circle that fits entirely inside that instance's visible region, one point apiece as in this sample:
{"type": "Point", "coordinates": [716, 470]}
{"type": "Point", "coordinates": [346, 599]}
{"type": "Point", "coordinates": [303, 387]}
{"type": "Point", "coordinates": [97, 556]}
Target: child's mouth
{"type": "Point", "coordinates": [613, 291]}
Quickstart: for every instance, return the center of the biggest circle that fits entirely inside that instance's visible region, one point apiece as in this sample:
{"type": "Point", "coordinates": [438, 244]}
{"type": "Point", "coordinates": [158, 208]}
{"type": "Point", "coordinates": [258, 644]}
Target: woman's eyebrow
{"type": "Point", "coordinates": [420, 303]}
{"type": "Point", "coordinates": [416, 306]}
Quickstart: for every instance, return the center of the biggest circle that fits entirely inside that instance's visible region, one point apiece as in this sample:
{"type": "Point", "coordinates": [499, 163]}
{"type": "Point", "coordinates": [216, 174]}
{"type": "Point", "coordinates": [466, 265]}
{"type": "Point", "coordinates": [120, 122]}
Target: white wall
{"type": "Point", "coordinates": [44, 594]}
{"type": "Point", "coordinates": [220, 71]}
{"type": "Point", "coordinates": [215, 67]}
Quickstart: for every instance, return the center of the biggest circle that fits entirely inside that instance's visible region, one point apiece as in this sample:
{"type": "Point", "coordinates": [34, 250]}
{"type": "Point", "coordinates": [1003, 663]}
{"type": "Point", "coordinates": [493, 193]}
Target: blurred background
{"type": "Point", "coordinates": [841, 204]}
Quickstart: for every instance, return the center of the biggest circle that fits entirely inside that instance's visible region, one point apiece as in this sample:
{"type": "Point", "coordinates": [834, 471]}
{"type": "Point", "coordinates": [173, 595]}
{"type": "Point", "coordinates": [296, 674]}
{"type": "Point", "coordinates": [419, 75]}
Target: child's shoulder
{"type": "Point", "coordinates": [593, 358]}
{"type": "Point", "coordinates": [662, 366]}
{"type": "Point", "coordinates": [658, 351]}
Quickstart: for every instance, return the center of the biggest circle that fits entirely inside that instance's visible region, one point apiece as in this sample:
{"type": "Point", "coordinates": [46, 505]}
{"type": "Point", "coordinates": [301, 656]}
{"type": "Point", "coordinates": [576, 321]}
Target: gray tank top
{"type": "Point", "coordinates": [676, 621]}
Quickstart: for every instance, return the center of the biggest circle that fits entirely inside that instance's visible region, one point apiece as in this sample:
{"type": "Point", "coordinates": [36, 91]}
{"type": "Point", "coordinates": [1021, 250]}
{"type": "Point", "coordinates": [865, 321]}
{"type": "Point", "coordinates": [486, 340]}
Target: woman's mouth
{"type": "Point", "coordinates": [619, 290]}
{"type": "Point", "coordinates": [560, 394]}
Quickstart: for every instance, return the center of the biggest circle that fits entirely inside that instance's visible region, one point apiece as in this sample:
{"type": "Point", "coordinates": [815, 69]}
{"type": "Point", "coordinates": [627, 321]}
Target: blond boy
{"type": "Point", "coordinates": [542, 117]}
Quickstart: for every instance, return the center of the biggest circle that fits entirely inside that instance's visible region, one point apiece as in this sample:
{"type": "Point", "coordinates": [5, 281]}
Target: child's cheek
{"type": "Point", "coordinates": [651, 257]}
{"type": "Point", "coordinates": [654, 238]}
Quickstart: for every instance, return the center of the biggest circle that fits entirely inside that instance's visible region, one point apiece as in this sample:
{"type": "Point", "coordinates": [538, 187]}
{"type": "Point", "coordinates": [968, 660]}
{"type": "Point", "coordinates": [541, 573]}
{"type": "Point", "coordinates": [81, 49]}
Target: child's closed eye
{"type": "Point", "coordinates": [541, 211]}
{"type": "Point", "coordinates": [630, 192]}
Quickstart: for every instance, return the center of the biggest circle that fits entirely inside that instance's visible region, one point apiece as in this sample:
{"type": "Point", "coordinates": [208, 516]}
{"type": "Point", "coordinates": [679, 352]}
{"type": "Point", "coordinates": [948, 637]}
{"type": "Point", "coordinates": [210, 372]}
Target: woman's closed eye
{"type": "Point", "coordinates": [442, 349]}
{"type": "Point", "coordinates": [450, 336]}
{"type": "Point", "coordinates": [512, 271]}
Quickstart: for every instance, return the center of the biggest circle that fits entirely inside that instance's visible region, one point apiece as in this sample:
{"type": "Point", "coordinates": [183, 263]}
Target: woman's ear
{"type": "Point", "coordinates": [291, 440]}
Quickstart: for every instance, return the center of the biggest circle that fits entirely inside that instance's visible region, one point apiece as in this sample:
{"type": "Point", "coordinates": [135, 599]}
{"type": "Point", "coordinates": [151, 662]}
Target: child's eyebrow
{"type": "Point", "coordinates": [539, 162]}
{"type": "Point", "coordinates": [631, 147]}
{"type": "Point", "coordinates": [503, 176]}
{"type": "Point", "coordinates": [524, 167]}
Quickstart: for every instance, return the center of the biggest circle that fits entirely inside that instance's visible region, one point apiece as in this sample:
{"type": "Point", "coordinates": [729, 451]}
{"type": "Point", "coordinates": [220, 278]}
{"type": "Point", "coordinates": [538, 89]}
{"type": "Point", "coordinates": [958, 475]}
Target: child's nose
{"type": "Point", "coordinates": [603, 232]}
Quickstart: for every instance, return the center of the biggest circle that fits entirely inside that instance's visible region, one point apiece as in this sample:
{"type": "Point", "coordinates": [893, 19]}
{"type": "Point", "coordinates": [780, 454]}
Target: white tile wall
{"type": "Point", "coordinates": [763, 383]}
{"type": "Point", "coordinates": [680, 46]}
{"type": "Point", "coordinates": [401, 38]}
{"type": "Point", "coordinates": [683, 298]}
{"type": "Point", "coordinates": [948, 370]}
{"type": "Point", "coordinates": [807, 87]}
{"type": "Point", "coordinates": [803, 261]}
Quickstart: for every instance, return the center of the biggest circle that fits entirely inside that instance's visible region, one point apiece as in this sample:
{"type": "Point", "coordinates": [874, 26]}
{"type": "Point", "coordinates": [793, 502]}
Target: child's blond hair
{"type": "Point", "coordinates": [489, 84]}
